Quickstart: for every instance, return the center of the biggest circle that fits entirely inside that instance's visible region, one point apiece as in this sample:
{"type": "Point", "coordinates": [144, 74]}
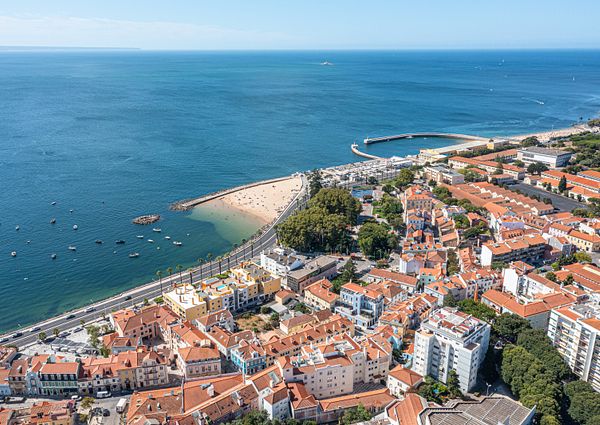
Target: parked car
{"type": "Point", "coordinates": [70, 316]}
{"type": "Point", "coordinates": [105, 412]}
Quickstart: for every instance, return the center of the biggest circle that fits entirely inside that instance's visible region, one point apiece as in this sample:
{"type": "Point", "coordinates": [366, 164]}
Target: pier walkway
{"type": "Point", "coordinates": [371, 140]}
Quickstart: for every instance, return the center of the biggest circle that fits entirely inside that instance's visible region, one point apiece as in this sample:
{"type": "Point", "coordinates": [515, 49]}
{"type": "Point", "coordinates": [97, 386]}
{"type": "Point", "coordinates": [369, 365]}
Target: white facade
{"type": "Point", "coordinates": [280, 261]}
{"type": "Point", "coordinates": [451, 340]}
{"type": "Point", "coordinates": [551, 157]}
{"type": "Point", "coordinates": [574, 332]}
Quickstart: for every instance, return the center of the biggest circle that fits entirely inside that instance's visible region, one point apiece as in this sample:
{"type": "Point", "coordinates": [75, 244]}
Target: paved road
{"type": "Point", "coordinates": [560, 202]}
{"type": "Point", "coordinates": [152, 290]}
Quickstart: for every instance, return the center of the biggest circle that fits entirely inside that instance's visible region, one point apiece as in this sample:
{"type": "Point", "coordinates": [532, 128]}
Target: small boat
{"type": "Point", "coordinates": [75, 227]}
{"type": "Point", "coordinates": [53, 221]}
{"type": "Point", "coordinates": [98, 241]}
{"type": "Point", "coordinates": [53, 256]}
{"type": "Point", "coordinates": [177, 243]}
{"type": "Point", "coordinates": [53, 202]}
{"type": "Point", "coordinates": [151, 240]}
{"type": "Point", "coordinates": [167, 237]}
{"type": "Point", "coordinates": [119, 241]}
{"type": "Point", "coordinates": [28, 242]}
{"type": "Point", "coordinates": [72, 248]}
{"type": "Point", "coordinates": [13, 254]}
{"type": "Point", "coordinates": [157, 230]}
{"type": "Point", "coordinates": [134, 255]}
{"type": "Point", "coordinates": [140, 236]}
{"type": "Point", "coordinates": [17, 227]}
{"type": "Point", "coordinates": [326, 63]}
{"type": "Point", "coordinates": [158, 247]}
{"type": "Point", "coordinates": [71, 210]}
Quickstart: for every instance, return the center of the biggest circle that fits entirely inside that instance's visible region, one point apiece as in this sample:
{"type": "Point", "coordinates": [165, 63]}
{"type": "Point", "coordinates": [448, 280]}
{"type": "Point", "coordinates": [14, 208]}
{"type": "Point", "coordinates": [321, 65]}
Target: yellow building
{"type": "Point", "coordinates": [185, 302]}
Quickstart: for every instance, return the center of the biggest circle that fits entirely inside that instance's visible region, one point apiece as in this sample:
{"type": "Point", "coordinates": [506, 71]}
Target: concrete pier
{"type": "Point", "coordinates": [371, 140]}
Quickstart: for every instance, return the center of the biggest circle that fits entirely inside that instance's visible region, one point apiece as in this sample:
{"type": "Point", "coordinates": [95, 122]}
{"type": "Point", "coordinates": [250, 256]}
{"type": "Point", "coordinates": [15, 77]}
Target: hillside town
{"type": "Point", "coordinates": [458, 288]}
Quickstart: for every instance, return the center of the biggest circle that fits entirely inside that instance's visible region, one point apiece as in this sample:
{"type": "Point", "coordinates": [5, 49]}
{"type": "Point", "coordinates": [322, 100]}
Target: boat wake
{"type": "Point", "coordinates": [539, 102]}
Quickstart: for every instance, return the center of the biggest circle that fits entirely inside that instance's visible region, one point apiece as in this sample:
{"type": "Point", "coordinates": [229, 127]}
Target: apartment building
{"type": "Point", "coordinates": [360, 305]}
{"type": "Point", "coordinates": [249, 357]}
{"type": "Point", "coordinates": [451, 340]}
{"type": "Point", "coordinates": [441, 174]}
{"type": "Point", "coordinates": [144, 323]}
{"type": "Point", "coordinates": [528, 248]}
{"type": "Point", "coordinates": [197, 361]}
{"type": "Point", "coordinates": [184, 301]}
{"type": "Point", "coordinates": [584, 241]}
{"type": "Point", "coordinates": [323, 267]}
{"type": "Point", "coordinates": [280, 261]}
{"type": "Point", "coordinates": [319, 296]}
{"type": "Point", "coordinates": [59, 378]}
{"type": "Point", "coordinates": [574, 331]}
{"type": "Point", "coordinates": [490, 166]}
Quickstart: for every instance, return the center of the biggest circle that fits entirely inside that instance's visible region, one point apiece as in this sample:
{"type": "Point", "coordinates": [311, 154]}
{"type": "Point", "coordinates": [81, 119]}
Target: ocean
{"type": "Point", "coordinates": [112, 135]}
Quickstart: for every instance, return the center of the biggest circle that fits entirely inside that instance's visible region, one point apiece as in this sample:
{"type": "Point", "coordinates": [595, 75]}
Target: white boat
{"type": "Point", "coordinates": [70, 210]}
{"type": "Point", "coordinates": [53, 202]}
{"type": "Point", "coordinates": [158, 247]}
{"type": "Point", "coordinates": [17, 227]}
{"type": "Point", "coordinates": [326, 63]}
{"type": "Point", "coordinates": [13, 254]}
{"type": "Point", "coordinates": [53, 221]}
{"type": "Point", "coordinates": [53, 256]}
{"type": "Point", "coordinates": [157, 229]}
{"type": "Point", "coordinates": [75, 227]}
{"type": "Point", "coordinates": [134, 255]}
{"type": "Point", "coordinates": [72, 248]}
{"type": "Point", "coordinates": [151, 240]}
{"type": "Point", "coordinates": [140, 236]}
{"type": "Point", "coordinates": [167, 237]}
{"type": "Point", "coordinates": [177, 243]}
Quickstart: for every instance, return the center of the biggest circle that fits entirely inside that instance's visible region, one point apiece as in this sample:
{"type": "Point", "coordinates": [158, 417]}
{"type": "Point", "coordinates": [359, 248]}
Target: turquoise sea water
{"type": "Point", "coordinates": [113, 135]}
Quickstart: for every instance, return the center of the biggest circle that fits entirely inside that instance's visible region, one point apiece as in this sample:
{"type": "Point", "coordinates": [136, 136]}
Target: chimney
{"type": "Point", "coordinates": [210, 390]}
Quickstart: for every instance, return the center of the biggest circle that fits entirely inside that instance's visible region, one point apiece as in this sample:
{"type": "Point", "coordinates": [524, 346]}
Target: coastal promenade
{"type": "Point", "coordinates": [98, 310]}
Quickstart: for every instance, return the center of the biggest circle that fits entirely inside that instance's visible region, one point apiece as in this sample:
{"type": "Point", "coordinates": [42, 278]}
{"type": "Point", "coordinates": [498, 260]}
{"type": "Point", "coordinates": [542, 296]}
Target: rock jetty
{"type": "Point", "coordinates": [146, 219]}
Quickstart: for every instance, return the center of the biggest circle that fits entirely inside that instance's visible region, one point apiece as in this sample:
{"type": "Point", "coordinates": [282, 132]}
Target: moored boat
{"type": "Point", "coordinates": [134, 255]}
{"type": "Point", "coordinates": [72, 248]}
{"type": "Point", "coordinates": [119, 241]}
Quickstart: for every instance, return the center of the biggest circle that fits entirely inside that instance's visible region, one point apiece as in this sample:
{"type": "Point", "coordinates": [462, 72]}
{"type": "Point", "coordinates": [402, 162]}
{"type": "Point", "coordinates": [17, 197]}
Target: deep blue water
{"type": "Point", "coordinates": [113, 135]}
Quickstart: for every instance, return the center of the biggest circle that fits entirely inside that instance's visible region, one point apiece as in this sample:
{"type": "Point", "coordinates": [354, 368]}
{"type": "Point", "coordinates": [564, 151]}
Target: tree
{"type": "Point", "coordinates": [562, 184]}
{"type": "Point", "coordinates": [536, 168]}
{"type": "Point", "coordinates": [375, 240]}
{"type": "Point", "coordinates": [337, 201]}
{"type": "Point", "coordinates": [405, 177]}
{"type": "Point", "coordinates": [93, 335]}
{"type": "Point", "coordinates": [55, 331]}
{"type": "Point", "coordinates": [265, 310]}
{"type": "Point", "coordinates": [450, 301]}
{"type": "Point", "coordinates": [42, 336]}
{"type": "Point", "coordinates": [315, 182]}
{"type": "Point", "coordinates": [568, 280]}
{"type": "Point", "coordinates": [87, 402]}
{"type": "Point", "coordinates": [477, 309]}
{"type": "Point", "coordinates": [355, 414]}
{"type": "Point", "coordinates": [499, 168]}
{"type": "Point", "coordinates": [551, 276]}
{"type": "Point", "coordinates": [509, 326]}
{"type": "Point", "coordinates": [530, 141]}
{"type": "Point", "coordinates": [452, 265]}
{"type": "Point", "coordinates": [453, 384]}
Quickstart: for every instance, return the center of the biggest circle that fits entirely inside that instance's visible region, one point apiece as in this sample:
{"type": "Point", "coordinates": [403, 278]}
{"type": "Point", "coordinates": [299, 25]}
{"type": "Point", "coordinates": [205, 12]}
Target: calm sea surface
{"type": "Point", "coordinates": [112, 135]}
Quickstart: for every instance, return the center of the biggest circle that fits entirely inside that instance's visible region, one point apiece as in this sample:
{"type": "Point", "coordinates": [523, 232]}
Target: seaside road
{"type": "Point", "coordinates": [152, 290]}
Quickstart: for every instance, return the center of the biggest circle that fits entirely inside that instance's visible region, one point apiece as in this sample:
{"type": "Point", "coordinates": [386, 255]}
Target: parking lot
{"type": "Point", "coordinates": [109, 404]}
{"type": "Point", "coordinates": [560, 202]}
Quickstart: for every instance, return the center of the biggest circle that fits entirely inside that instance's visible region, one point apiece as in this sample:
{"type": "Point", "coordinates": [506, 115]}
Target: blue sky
{"type": "Point", "coordinates": [301, 24]}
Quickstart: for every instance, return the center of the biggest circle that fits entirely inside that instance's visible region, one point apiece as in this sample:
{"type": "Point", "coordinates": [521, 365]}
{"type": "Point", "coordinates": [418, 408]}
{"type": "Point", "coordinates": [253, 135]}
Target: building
{"type": "Point", "coordinates": [323, 267]}
{"type": "Point", "coordinates": [406, 282]}
{"type": "Point", "coordinates": [59, 378]}
{"type": "Point", "coordinates": [552, 158]}
{"type": "Point", "coordinates": [584, 241]}
{"type": "Point", "coordinates": [249, 357]}
{"type": "Point", "coordinates": [441, 174]}
{"type": "Point", "coordinates": [280, 261]}
{"type": "Point", "coordinates": [402, 380]}
{"type": "Point", "coordinates": [360, 305]}
{"type": "Point", "coordinates": [319, 296]}
{"type": "Point", "coordinates": [528, 248]}
{"type": "Point", "coordinates": [199, 361]}
{"type": "Point", "coordinates": [184, 301]}
{"type": "Point", "coordinates": [451, 340]}
{"type": "Point", "coordinates": [537, 311]}
{"type": "Point", "coordinates": [142, 323]}
{"type": "Point", "coordinates": [221, 318]}
{"type": "Point", "coordinates": [574, 331]}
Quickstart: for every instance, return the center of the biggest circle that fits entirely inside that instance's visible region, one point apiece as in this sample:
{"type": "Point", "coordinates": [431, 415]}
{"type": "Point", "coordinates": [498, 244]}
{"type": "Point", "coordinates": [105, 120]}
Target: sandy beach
{"type": "Point", "coordinates": [544, 136]}
{"type": "Point", "coordinates": [264, 201]}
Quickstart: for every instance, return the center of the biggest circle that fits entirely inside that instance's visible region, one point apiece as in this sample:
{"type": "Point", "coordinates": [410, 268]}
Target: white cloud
{"type": "Point", "coordinates": [94, 32]}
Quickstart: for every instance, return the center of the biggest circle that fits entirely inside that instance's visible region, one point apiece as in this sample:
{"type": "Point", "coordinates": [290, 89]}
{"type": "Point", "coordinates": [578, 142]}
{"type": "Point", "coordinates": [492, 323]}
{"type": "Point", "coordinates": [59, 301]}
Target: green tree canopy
{"type": "Point", "coordinates": [337, 201]}
{"type": "Point", "coordinates": [375, 240]}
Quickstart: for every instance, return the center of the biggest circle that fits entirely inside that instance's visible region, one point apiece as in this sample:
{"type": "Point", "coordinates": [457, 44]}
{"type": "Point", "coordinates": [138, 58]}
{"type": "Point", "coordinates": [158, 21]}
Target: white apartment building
{"type": "Point", "coordinates": [280, 261]}
{"type": "Point", "coordinates": [451, 340]}
{"type": "Point", "coordinates": [574, 332]}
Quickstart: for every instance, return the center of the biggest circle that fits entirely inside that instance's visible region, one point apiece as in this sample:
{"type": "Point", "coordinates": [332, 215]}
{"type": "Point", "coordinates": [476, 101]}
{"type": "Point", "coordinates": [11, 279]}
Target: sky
{"type": "Point", "coordinates": [301, 24]}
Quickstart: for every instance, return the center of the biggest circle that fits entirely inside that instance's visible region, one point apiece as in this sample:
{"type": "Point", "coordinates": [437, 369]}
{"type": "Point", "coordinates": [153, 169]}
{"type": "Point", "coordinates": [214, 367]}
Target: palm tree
{"type": "Point", "coordinates": [179, 267]}
{"type": "Point", "coordinates": [159, 273]}
{"type": "Point", "coordinates": [244, 249]}
{"type": "Point", "coordinates": [170, 271]}
{"type": "Point", "coordinates": [190, 271]}
{"type": "Point", "coordinates": [200, 262]}
{"type": "Point", "coordinates": [55, 331]}
{"type": "Point", "coordinates": [209, 257]}
{"type": "Point", "coordinates": [219, 259]}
